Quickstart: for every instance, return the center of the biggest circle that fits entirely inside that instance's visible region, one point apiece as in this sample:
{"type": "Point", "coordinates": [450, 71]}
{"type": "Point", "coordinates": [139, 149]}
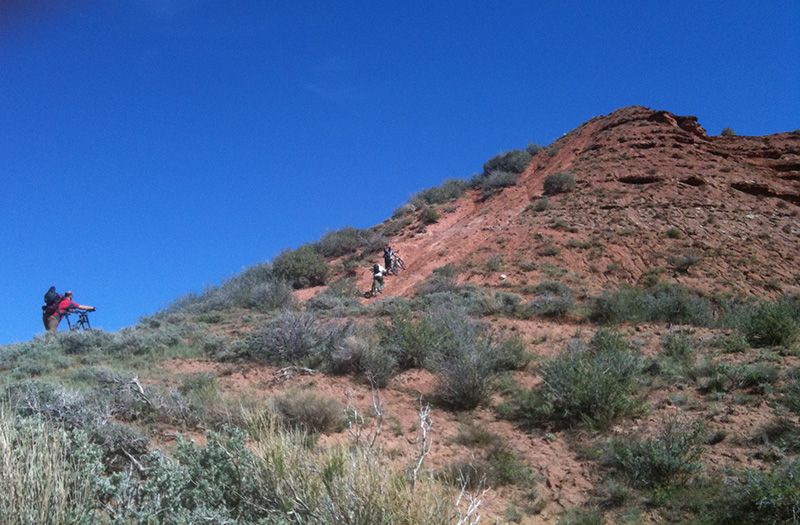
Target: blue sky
{"type": "Point", "coordinates": [150, 148]}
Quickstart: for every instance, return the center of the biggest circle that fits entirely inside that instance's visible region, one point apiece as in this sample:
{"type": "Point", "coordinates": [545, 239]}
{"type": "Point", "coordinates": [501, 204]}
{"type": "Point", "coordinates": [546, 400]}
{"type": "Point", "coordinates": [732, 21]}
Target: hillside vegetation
{"type": "Point", "coordinates": [605, 330]}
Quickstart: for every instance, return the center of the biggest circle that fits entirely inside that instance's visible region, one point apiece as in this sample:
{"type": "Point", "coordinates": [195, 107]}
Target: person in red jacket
{"type": "Point", "coordinates": [65, 306]}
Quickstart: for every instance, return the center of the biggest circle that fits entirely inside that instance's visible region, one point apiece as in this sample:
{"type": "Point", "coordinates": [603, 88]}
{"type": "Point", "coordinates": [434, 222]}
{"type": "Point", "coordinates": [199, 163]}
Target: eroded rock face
{"type": "Point", "coordinates": [642, 146]}
{"type": "Point", "coordinates": [688, 123]}
{"type": "Point", "coordinates": [731, 203]}
{"type": "Point", "coordinates": [691, 125]}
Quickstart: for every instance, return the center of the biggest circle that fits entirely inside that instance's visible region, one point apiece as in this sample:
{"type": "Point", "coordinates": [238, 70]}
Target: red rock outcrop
{"type": "Point", "coordinates": [654, 194]}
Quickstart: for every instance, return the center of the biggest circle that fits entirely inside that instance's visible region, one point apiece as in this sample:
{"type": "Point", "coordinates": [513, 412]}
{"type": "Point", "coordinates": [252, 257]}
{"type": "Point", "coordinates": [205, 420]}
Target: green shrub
{"type": "Point", "coordinates": [88, 412]}
{"type": "Point", "coordinates": [80, 342]}
{"type": "Point", "coordinates": [11, 354]}
{"type": "Point", "coordinates": [771, 324]}
{"type": "Point", "coordinates": [712, 376]}
{"type": "Point", "coordinates": [562, 224]}
{"type": "Point", "coordinates": [442, 279]}
{"type": "Point", "coordinates": [724, 377]}
{"type": "Point", "coordinates": [142, 341]}
{"type": "Point", "coordinates": [664, 303]}
{"type": "Point", "coordinates": [346, 355]}
{"type": "Point", "coordinates": [509, 354]}
{"type": "Point", "coordinates": [533, 149]}
{"type": "Point", "coordinates": [340, 296]}
{"type": "Point", "coordinates": [476, 301]}
{"type": "Point", "coordinates": [445, 340]}
{"type": "Point", "coordinates": [682, 263]}
{"type": "Point", "coordinates": [302, 267]}
{"type": "Point", "coordinates": [464, 374]}
{"type": "Point", "coordinates": [561, 182]}
{"type": "Point", "coordinates": [581, 517]}
{"type": "Point", "coordinates": [318, 487]}
{"type": "Point", "coordinates": [510, 305]}
{"type": "Point", "coordinates": [334, 304]}
{"type": "Point", "coordinates": [507, 468]}
{"type": "Point", "coordinates": [396, 225]}
{"type": "Point", "coordinates": [673, 233]}
{"type": "Point", "coordinates": [472, 474]}
{"type": "Point", "coordinates": [590, 385]}
{"type": "Point", "coordinates": [32, 359]}
{"type": "Point", "coordinates": [494, 181]}
{"type": "Point", "coordinates": [429, 215]}
{"type": "Point", "coordinates": [539, 205]}
{"type": "Point", "coordinates": [308, 411]}
{"type": "Point", "coordinates": [257, 288]}
{"type": "Point", "coordinates": [448, 270]}
{"type": "Point", "coordinates": [295, 337]}
{"type": "Point", "coordinates": [494, 263]}
{"type": "Point", "coordinates": [668, 458]}
{"type": "Point", "coordinates": [499, 468]}
{"type": "Point", "coordinates": [449, 190]}
{"type": "Point", "coordinates": [410, 340]}
{"type": "Point", "coordinates": [463, 358]}
{"type": "Point", "coordinates": [200, 386]}
{"type": "Point", "coordinates": [56, 404]}
{"type": "Point", "coordinates": [553, 149]}
{"type": "Point", "coordinates": [51, 477]}
{"type": "Point", "coordinates": [728, 132]}
{"type": "Point", "coordinates": [734, 343]}
{"type": "Point", "coordinates": [216, 483]}
{"type": "Point", "coordinates": [550, 250]}
{"type": "Point", "coordinates": [758, 376]}
{"type": "Point", "coordinates": [378, 366]}
{"type": "Point", "coordinates": [118, 443]}
{"type": "Point", "coordinates": [791, 393]}
{"type": "Point", "coordinates": [782, 433]}
{"type": "Point", "coordinates": [473, 434]}
{"type": "Point", "coordinates": [553, 299]}
{"type": "Point", "coordinates": [45, 479]}
{"type": "Point", "coordinates": [349, 240]}
{"type": "Point", "coordinates": [679, 347]}
{"type": "Point", "coordinates": [515, 161]}
{"type": "Point", "coordinates": [759, 498]}
{"type": "Point", "coordinates": [610, 341]}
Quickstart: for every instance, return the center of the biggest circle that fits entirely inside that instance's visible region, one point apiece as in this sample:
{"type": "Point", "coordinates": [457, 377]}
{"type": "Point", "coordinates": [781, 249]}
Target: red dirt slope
{"type": "Point", "coordinates": [655, 195]}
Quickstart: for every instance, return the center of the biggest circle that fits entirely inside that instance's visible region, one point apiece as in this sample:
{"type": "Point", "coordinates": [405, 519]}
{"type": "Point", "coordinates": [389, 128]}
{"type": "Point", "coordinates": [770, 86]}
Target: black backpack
{"type": "Point", "coordinates": [51, 299]}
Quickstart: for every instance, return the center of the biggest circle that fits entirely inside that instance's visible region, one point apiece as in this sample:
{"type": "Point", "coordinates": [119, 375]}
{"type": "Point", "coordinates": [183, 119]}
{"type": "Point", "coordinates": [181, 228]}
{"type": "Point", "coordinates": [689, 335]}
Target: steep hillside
{"type": "Point", "coordinates": [605, 330]}
{"type": "Point", "coordinates": [654, 193]}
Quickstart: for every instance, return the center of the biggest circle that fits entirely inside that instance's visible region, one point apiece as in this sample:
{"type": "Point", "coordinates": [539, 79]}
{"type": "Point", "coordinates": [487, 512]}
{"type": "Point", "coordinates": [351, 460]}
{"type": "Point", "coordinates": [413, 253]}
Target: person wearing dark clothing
{"type": "Point", "coordinates": [388, 258]}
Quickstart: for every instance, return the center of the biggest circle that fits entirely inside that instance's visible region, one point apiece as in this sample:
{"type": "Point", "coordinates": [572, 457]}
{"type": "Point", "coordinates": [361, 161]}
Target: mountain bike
{"type": "Point", "coordinates": [81, 324]}
{"type": "Point", "coordinates": [397, 263]}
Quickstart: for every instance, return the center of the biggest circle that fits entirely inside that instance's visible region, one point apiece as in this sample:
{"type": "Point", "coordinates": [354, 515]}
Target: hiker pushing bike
{"type": "Point", "coordinates": [378, 272]}
{"type": "Point", "coordinates": [57, 306]}
{"type": "Point", "coordinates": [392, 260]}
{"type": "Point", "coordinates": [397, 263]}
{"type": "Point", "coordinates": [393, 263]}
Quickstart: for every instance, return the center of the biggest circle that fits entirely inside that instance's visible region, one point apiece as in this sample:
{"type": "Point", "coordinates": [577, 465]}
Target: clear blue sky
{"type": "Point", "coordinates": [149, 148]}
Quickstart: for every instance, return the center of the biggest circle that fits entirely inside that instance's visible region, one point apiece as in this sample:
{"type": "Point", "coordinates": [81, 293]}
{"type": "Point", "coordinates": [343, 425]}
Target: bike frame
{"type": "Point", "coordinates": [397, 262]}
{"type": "Point", "coordinates": [82, 324]}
